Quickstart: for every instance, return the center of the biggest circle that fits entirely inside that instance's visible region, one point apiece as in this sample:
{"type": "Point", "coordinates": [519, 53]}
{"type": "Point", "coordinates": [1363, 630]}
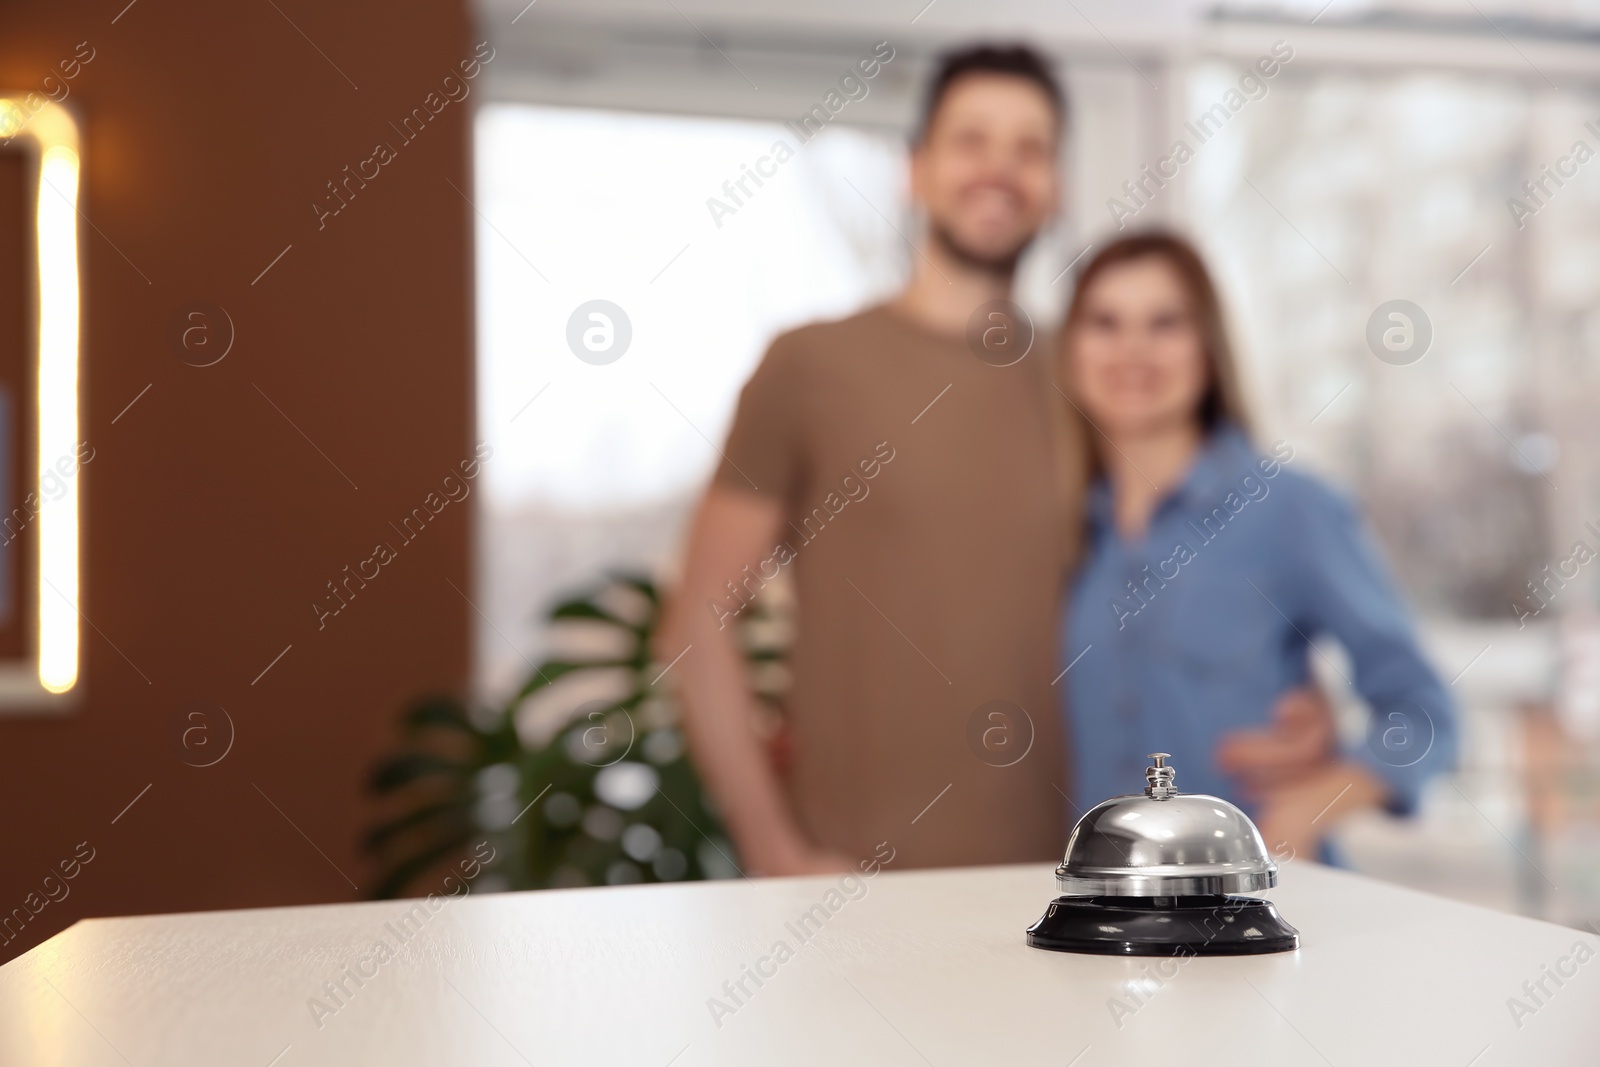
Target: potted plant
{"type": "Point", "coordinates": [582, 777]}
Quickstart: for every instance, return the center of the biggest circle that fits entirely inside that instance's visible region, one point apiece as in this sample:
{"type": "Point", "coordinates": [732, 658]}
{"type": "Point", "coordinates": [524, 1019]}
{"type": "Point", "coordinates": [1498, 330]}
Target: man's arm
{"type": "Point", "coordinates": [732, 529]}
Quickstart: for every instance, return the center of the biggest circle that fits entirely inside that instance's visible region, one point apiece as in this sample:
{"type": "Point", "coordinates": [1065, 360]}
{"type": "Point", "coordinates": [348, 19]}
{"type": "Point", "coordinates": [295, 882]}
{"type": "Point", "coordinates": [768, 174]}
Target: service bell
{"type": "Point", "coordinates": [1160, 873]}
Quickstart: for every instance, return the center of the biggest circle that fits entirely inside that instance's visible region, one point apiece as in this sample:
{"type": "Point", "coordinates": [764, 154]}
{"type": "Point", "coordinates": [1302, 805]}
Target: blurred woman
{"type": "Point", "coordinates": [1211, 567]}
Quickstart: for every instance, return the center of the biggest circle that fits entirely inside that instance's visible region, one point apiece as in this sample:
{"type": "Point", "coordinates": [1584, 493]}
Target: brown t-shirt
{"type": "Point", "coordinates": [927, 530]}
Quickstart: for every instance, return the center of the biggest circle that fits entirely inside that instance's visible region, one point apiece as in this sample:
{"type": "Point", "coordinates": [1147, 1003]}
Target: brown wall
{"type": "Point", "coordinates": [211, 522]}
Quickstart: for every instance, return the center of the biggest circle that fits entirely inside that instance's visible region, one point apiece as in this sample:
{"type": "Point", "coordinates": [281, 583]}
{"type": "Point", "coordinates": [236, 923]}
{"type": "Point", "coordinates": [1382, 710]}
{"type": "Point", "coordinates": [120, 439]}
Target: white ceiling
{"type": "Point", "coordinates": [766, 58]}
{"type": "Point", "coordinates": [1141, 20]}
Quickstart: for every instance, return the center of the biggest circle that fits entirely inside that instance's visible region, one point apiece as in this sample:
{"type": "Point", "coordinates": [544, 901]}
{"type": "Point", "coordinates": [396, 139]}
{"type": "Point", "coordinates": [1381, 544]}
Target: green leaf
{"type": "Point", "coordinates": [439, 711]}
{"type": "Point", "coordinates": [380, 835]}
{"type": "Point", "coordinates": [584, 609]}
{"type": "Point", "coordinates": [643, 585]}
{"type": "Point", "coordinates": [408, 767]}
{"type": "Point", "coordinates": [548, 673]}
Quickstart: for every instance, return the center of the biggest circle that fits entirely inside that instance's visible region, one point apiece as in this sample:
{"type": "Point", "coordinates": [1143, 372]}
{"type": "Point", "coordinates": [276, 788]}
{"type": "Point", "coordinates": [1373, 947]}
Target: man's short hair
{"type": "Point", "coordinates": [1016, 60]}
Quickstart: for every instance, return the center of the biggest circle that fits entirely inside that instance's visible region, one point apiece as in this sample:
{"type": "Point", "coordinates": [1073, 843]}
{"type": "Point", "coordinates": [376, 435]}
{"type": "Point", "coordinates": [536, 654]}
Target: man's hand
{"type": "Point", "coordinates": [1299, 742]}
{"type": "Point", "coordinates": [1296, 815]}
{"type": "Point", "coordinates": [1292, 770]}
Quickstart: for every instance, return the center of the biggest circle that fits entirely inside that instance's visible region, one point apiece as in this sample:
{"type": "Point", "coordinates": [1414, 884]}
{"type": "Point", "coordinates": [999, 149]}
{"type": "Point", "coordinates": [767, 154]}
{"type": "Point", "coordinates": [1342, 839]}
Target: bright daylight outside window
{"type": "Point", "coordinates": [595, 465]}
{"type": "Point", "coordinates": [1358, 189]}
{"type": "Point", "coordinates": [1425, 445]}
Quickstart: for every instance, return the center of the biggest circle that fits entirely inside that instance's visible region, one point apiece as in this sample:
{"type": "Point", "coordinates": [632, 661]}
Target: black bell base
{"type": "Point", "coordinates": [1163, 926]}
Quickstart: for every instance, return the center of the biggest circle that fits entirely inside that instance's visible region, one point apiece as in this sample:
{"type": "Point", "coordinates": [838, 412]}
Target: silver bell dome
{"type": "Point", "coordinates": [1162, 843]}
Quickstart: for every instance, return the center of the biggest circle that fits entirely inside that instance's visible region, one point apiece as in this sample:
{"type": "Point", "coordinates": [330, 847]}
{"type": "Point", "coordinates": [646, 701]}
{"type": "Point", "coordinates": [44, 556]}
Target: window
{"type": "Point", "coordinates": [1354, 189]}
{"type": "Point", "coordinates": [1347, 189]}
{"type": "Point", "coordinates": [596, 465]}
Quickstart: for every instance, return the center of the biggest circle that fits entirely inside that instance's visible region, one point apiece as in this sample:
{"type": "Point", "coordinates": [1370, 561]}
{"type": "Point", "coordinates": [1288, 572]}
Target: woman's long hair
{"type": "Point", "coordinates": [1223, 401]}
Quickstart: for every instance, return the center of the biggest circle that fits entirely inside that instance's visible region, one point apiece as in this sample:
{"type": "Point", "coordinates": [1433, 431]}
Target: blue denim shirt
{"type": "Point", "coordinates": [1196, 628]}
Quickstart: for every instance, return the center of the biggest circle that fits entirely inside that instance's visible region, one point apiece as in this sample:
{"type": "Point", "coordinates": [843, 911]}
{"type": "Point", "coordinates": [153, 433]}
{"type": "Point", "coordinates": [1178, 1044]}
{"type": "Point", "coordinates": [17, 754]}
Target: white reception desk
{"type": "Point", "coordinates": [905, 968]}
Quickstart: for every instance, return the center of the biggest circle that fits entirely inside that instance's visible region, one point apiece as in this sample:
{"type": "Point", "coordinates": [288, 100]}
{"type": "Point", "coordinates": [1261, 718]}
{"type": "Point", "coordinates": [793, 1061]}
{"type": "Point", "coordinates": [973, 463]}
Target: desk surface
{"type": "Point", "coordinates": [912, 968]}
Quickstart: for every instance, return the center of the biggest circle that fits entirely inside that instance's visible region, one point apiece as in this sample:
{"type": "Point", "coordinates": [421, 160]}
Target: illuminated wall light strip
{"type": "Point", "coordinates": [55, 134]}
{"type": "Point", "coordinates": [58, 415]}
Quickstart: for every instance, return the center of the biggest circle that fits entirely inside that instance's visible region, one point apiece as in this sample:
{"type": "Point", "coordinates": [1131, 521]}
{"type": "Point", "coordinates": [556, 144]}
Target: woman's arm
{"type": "Point", "coordinates": [1346, 591]}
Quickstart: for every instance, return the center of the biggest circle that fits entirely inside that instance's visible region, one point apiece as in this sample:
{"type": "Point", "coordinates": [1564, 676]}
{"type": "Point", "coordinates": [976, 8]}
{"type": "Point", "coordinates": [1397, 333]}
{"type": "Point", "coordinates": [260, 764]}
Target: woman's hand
{"type": "Point", "coordinates": [1296, 815]}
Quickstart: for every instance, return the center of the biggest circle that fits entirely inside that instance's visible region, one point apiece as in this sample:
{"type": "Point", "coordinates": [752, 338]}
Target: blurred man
{"type": "Point", "coordinates": [906, 468]}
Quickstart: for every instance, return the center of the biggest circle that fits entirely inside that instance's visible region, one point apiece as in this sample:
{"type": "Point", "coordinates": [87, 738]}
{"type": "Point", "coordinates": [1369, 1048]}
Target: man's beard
{"type": "Point", "coordinates": [1002, 265]}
